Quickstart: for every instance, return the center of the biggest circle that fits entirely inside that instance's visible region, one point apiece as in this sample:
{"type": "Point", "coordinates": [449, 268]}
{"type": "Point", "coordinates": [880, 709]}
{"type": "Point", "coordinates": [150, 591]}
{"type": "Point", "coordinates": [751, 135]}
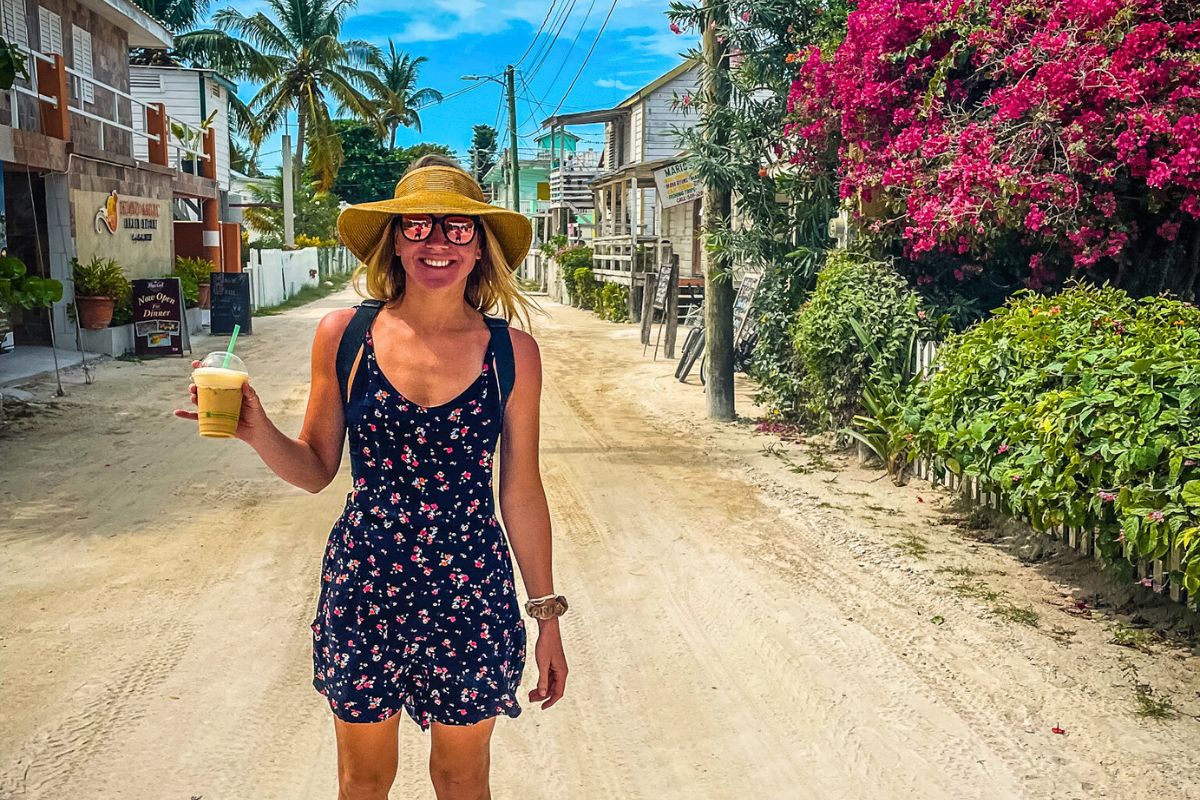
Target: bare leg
{"type": "Point", "coordinates": [368, 753]}
{"type": "Point", "coordinates": [460, 760]}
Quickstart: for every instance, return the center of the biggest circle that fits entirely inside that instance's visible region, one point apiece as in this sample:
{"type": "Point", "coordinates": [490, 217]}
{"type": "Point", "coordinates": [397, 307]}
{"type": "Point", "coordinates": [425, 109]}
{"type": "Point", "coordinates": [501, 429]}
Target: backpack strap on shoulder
{"type": "Point", "coordinates": [502, 358]}
{"type": "Point", "coordinates": [352, 342]}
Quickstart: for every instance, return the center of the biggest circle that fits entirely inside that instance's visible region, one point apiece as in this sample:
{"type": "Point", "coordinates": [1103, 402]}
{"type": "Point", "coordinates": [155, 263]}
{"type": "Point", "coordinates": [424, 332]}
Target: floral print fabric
{"type": "Point", "coordinates": [418, 608]}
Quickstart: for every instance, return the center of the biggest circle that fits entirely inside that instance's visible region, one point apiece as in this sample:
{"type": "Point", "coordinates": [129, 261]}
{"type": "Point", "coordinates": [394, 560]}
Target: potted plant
{"type": "Point", "coordinates": [189, 143]}
{"type": "Point", "coordinates": [20, 290]}
{"type": "Point", "coordinates": [196, 275]}
{"type": "Point", "coordinates": [99, 285]}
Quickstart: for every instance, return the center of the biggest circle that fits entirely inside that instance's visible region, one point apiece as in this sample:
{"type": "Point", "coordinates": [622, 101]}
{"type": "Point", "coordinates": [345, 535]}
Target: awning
{"type": "Point", "coordinates": [585, 117]}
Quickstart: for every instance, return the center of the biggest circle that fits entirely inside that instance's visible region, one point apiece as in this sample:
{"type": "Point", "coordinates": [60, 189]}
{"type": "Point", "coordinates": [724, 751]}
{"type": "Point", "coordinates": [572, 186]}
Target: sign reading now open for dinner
{"type": "Point", "coordinates": [677, 184]}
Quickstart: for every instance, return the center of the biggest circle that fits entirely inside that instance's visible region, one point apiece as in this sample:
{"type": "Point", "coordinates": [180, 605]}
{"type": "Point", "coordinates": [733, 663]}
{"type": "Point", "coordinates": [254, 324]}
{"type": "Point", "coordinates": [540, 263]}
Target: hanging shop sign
{"type": "Point", "coordinates": [158, 317]}
{"type": "Point", "coordinates": [677, 184]}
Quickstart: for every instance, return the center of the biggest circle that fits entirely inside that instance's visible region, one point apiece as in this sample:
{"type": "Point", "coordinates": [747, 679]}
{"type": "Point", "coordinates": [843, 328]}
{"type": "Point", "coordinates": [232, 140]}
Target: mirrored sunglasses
{"type": "Point", "coordinates": [456, 229]}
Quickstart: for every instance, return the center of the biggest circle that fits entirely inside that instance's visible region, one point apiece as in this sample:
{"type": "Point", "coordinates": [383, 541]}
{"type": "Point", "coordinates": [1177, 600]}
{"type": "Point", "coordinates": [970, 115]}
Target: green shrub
{"type": "Point", "coordinates": [1080, 409]}
{"type": "Point", "coordinates": [191, 273]}
{"type": "Point", "coordinates": [613, 302]}
{"type": "Point", "coordinates": [832, 362]}
{"type": "Point", "coordinates": [569, 261]}
{"type": "Point", "coordinates": [552, 245]}
{"type": "Point", "coordinates": [586, 288]}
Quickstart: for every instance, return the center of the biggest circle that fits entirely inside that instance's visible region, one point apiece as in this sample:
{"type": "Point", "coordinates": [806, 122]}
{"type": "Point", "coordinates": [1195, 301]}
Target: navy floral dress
{"type": "Point", "coordinates": [418, 608]}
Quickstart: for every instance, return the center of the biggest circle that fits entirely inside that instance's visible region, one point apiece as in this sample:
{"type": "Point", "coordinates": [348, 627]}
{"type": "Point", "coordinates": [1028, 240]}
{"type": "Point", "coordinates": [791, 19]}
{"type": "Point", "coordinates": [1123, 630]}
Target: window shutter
{"type": "Point", "coordinates": [12, 22]}
{"type": "Point", "coordinates": [50, 30]}
{"type": "Point", "coordinates": [81, 47]}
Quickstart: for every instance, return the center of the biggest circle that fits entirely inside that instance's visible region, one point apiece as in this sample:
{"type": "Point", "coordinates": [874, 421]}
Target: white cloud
{"type": "Point", "coordinates": [607, 83]}
{"type": "Point", "coordinates": [662, 44]}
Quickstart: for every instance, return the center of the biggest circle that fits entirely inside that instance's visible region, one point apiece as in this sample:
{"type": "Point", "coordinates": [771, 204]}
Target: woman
{"type": "Point", "coordinates": [418, 608]}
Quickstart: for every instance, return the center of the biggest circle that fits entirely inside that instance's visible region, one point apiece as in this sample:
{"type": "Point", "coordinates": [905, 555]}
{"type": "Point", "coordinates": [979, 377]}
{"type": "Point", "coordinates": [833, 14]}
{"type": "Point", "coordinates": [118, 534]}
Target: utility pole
{"type": "Point", "coordinates": [289, 224]}
{"type": "Point", "coordinates": [512, 128]}
{"type": "Point", "coordinates": [718, 282]}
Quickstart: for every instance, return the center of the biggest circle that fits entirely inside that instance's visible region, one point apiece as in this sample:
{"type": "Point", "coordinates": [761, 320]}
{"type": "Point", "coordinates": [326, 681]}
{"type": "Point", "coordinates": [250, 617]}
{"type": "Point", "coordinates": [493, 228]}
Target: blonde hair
{"type": "Point", "coordinates": [491, 288]}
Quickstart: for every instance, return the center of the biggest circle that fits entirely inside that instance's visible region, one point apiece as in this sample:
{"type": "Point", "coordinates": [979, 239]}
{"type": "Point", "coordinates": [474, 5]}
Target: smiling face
{"type": "Point", "coordinates": [436, 262]}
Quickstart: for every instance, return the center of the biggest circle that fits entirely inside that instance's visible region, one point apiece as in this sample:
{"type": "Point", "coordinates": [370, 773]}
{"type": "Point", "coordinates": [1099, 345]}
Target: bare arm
{"type": "Point", "coordinates": [522, 498]}
{"type": "Point", "coordinates": [526, 515]}
{"type": "Point", "coordinates": [311, 461]}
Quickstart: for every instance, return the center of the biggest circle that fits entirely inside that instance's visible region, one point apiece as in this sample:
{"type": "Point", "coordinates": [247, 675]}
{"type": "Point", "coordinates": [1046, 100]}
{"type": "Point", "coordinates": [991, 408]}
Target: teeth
{"type": "Point", "coordinates": [439, 263]}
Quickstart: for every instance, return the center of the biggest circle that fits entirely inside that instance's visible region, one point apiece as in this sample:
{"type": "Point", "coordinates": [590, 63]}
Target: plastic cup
{"type": "Point", "coordinates": [219, 394]}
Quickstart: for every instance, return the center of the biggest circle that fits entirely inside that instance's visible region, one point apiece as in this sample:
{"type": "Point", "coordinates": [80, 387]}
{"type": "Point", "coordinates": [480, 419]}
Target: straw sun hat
{"type": "Point", "coordinates": [434, 190]}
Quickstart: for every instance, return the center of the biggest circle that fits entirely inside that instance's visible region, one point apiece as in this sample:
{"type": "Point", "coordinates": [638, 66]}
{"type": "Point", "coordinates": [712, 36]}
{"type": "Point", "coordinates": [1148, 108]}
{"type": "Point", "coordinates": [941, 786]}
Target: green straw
{"type": "Point", "coordinates": [232, 339]}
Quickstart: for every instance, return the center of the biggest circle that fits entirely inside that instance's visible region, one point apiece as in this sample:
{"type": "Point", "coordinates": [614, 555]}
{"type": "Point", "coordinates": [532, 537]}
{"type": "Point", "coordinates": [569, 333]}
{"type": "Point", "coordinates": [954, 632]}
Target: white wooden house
{"type": "Point", "coordinates": [191, 95]}
{"type": "Point", "coordinates": [640, 140]}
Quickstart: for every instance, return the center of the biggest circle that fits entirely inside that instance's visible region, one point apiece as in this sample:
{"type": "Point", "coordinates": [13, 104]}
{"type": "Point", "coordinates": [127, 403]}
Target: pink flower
{"type": "Point", "coordinates": [920, 315]}
{"type": "Point", "coordinates": [1155, 516]}
{"type": "Point", "coordinates": [1106, 497]}
{"type": "Point", "coordinates": [745, 16]}
{"type": "Point", "coordinates": [1147, 582]}
{"type": "Point", "coordinates": [1002, 449]}
{"type": "Point", "coordinates": [675, 29]}
{"type": "Point", "coordinates": [1016, 478]}
{"type": "Point", "coordinates": [1168, 231]}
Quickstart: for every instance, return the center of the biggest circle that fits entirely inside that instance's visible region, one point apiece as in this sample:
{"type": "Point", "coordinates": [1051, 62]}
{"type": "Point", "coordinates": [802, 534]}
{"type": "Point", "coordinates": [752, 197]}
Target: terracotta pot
{"type": "Point", "coordinates": [204, 295]}
{"type": "Point", "coordinates": [94, 312]}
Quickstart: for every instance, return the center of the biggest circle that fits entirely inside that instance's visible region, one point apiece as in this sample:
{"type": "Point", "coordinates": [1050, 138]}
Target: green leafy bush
{"type": "Point", "coordinates": [569, 261]}
{"type": "Point", "coordinates": [18, 289]}
{"type": "Point", "coordinates": [613, 302]}
{"type": "Point", "coordinates": [103, 277]}
{"type": "Point", "coordinates": [832, 362]}
{"type": "Point", "coordinates": [191, 273]}
{"type": "Point", "coordinates": [1080, 409]}
{"type": "Point", "coordinates": [587, 288]}
{"type": "Point", "coordinates": [552, 245]}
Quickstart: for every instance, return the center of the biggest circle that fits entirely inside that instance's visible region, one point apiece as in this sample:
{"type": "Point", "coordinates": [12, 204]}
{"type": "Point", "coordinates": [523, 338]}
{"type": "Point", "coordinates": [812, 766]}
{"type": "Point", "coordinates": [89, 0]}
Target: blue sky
{"type": "Point", "coordinates": [462, 37]}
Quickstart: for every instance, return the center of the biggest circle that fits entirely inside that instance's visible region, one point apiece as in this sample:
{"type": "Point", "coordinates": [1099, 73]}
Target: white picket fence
{"type": "Point", "coordinates": [1081, 539]}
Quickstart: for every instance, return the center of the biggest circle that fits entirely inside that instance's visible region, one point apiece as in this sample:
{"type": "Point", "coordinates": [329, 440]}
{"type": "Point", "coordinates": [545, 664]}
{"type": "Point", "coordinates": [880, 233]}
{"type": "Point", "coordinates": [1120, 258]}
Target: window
{"type": "Point", "coordinates": [12, 22]}
{"type": "Point", "coordinates": [81, 48]}
{"type": "Point", "coordinates": [50, 31]}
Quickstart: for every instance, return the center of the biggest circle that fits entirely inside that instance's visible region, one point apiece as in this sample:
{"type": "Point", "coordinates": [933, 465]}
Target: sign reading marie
{"type": "Point", "coordinates": [139, 217]}
{"type": "Point", "coordinates": [677, 184]}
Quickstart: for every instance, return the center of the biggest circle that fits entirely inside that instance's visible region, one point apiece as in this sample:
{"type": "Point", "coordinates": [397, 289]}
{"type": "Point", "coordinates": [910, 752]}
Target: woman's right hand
{"type": "Point", "coordinates": [252, 419]}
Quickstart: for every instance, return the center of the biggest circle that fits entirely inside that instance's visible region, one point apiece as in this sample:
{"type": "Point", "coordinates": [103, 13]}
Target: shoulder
{"type": "Point", "coordinates": [329, 333]}
{"type": "Point", "coordinates": [525, 348]}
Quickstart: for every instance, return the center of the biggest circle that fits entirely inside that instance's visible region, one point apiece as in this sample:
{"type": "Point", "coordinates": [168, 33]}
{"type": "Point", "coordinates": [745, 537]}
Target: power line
{"type": "Point", "coordinates": [570, 50]}
{"type": "Point", "coordinates": [544, 52]}
{"type": "Point", "coordinates": [588, 57]}
{"type": "Point", "coordinates": [541, 28]}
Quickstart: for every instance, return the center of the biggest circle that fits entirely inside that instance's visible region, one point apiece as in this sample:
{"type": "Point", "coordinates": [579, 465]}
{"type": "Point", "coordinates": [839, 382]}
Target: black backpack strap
{"type": "Point", "coordinates": [352, 342]}
{"type": "Point", "coordinates": [502, 358]}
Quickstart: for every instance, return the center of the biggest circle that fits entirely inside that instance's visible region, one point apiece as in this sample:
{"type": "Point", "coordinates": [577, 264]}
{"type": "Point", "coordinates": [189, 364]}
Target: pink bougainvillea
{"type": "Point", "coordinates": [1073, 125]}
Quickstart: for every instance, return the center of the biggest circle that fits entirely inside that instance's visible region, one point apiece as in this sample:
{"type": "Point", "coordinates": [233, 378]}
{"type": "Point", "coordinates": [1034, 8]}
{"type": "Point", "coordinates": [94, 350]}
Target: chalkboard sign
{"type": "Point", "coordinates": [230, 303]}
{"type": "Point", "coordinates": [662, 289]}
{"type": "Point", "coordinates": [743, 326]}
{"type": "Point", "coordinates": [158, 318]}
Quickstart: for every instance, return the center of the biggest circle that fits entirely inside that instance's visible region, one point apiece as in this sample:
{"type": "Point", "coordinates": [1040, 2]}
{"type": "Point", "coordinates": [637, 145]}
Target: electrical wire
{"type": "Point", "coordinates": [541, 28]}
{"type": "Point", "coordinates": [544, 52]}
{"type": "Point", "coordinates": [588, 57]}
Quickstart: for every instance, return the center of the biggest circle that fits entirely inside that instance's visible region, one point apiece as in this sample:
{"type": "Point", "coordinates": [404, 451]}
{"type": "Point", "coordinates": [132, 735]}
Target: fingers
{"type": "Point", "coordinates": [195, 364]}
{"type": "Point", "coordinates": [192, 415]}
{"type": "Point", "coordinates": [558, 684]}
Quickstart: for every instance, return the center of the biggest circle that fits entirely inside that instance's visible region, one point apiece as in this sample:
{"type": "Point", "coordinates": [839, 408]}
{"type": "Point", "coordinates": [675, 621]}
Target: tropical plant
{"type": "Point", "coordinates": [12, 64]}
{"type": "Point", "coordinates": [100, 277]}
{"type": "Point", "coordinates": [553, 245]}
{"type": "Point", "coordinates": [586, 288]}
{"type": "Point", "coordinates": [1080, 409]}
{"type": "Point", "coordinates": [882, 427]}
{"type": "Point", "coordinates": [315, 212]}
{"type": "Point", "coordinates": [370, 170]}
{"type": "Point", "coordinates": [18, 289]}
{"type": "Point", "coordinates": [612, 302]}
{"type": "Point", "coordinates": [1061, 134]}
{"type": "Point", "coordinates": [482, 152]}
{"type": "Point", "coordinates": [396, 95]}
{"type": "Point", "coordinates": [191, 273]}
{"type": "Point", "coordinates": [295, 51]}
{"type": "Point", "coordinates": [833, 365]}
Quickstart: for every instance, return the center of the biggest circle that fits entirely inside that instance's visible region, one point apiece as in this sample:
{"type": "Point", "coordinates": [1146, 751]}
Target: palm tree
{"type": "Point", "coordinates": [399, 101]}
{"type": "Point", "coordinates": [178, 16]}
{"type": "Point", "coordinates": [296, 54]}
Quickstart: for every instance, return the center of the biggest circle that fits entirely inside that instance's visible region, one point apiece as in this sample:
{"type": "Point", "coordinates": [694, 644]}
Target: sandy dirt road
{"type": "Point", "coordinates": [748, 618]}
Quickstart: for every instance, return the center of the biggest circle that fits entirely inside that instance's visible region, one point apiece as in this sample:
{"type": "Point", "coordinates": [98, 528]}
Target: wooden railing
{"type": "Point", "coordinates": [48, 68]}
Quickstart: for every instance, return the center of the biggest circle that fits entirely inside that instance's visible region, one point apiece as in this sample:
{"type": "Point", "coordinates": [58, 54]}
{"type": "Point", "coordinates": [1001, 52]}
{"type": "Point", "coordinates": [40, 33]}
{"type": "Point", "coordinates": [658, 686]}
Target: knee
{"type": "Point", "coordinates": [459, 781]}
{"type": "Point", "coordinates": [363, 784]}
